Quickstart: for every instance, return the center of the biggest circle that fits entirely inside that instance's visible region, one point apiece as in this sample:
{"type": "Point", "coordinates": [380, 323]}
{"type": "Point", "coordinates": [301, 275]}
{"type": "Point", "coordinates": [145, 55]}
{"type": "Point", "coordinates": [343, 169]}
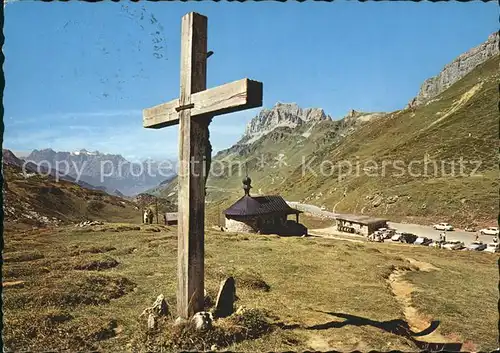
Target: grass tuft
{"type": "Point", "coordinates": [64, 292]}
{"type": "Point", "coordinates": [97, 265]}
{"type": "Point", "coordinates": [23, 256]}
{"type": "Point", "coordinates": [93, 250]}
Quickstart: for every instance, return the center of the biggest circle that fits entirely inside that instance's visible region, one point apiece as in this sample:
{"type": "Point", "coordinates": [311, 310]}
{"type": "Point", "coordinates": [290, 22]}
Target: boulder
{"type": "Point", "coordinates": [202, 321]}
{"type": "Point", "coordinates": [151, 321]}
{"type": "Point", "coordinates": [392, 199]}
{"type": "Point", "coordinates": [377, 201]}
{"type": "Point", "coordinates": [160, 306]}
{"type": "Point", "coordinates": [224, 305]}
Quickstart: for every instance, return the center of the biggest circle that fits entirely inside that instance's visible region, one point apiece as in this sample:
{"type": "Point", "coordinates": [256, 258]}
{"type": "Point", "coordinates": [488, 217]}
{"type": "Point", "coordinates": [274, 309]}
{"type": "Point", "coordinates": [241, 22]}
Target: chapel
{"type": "Point", "coordinates": [262, 214]}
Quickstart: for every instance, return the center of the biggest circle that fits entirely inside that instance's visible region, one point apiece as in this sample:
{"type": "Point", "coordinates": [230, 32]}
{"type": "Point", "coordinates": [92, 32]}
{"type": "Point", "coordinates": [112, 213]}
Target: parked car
{"type": "Point", "coordinates": [376, 236]}
{"type": "Point", "coordinates": [492, 247]}
{"type": "Point", "coordinates": [454, 245]}
{"type": "Point", "coordinates": [476, 246]}
{"type": "Point", "coordinates": [470, 229]}
{"type": "Point", "coordinates": [423, 241]}
{"type": "Point", "coordinates": [408, 238]}
{"type": "Point", "coordinates": [443, 226]}
{"type": "Point", "coordinates": [387, 233]}
{"type": "Point", "coordinates": [489, 231]}
{"type": "Point", "coordinates": [396, 236]}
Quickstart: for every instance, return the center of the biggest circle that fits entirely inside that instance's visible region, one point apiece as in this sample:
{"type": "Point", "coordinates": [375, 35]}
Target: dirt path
{"type": "Point", "coordinates": [402, 290]}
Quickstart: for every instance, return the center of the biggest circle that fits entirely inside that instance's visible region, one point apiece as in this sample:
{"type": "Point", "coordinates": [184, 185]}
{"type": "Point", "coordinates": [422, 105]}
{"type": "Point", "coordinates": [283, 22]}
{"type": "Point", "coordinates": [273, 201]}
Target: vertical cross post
{"type": "Point", "coordinates": [193, 142]}
{"type": "Point", "coordinates": [193, 111]}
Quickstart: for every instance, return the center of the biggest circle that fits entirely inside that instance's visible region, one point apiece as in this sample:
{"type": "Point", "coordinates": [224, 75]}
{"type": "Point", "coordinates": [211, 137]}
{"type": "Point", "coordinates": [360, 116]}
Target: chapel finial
{"type": "Point", "coordinates": [247, 181]}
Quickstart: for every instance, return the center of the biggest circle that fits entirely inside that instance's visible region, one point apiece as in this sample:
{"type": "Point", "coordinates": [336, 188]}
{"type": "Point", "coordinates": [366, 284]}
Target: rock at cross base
{"type": "Point", "coordinates": [160, 306]}
{"type": "Point", "coordinates": [151, 321]}
{"type": "Point", "coordinates": [224, 306]}
{"type": "Point", "coordinates": [202, 320]}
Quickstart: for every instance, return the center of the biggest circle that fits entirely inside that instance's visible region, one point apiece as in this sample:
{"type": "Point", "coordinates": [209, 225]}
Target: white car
{"type": "Point", "coordinates": [454, 245]}
{"type": "Point", "coordinates": [423, 241]}
{"type": "Point", "coordinates": [476, 246]}
{"type": "Point", "coordinates": [442, 226]}
{"type": "Point", "coordinates": [492, 247]}
{"type": "Point", "coordinates": [396, 237]}
{"type": "Point", "coordinates": [489, 231]}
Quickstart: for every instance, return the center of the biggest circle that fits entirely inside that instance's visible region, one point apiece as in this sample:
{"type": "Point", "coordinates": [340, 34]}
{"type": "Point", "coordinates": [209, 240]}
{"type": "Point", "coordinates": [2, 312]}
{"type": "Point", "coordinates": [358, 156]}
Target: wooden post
{"type": "Point", "coordinates": [193, 111]}
{"type": "Point", "coordinates": [193, 140]}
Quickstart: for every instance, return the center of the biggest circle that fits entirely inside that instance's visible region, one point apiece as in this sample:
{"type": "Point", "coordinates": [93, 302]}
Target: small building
{"type": "Point", "coordinates": [170, 218]}
{"type": "Point", "coordinates": [262, 214]}
{"type": "Point", "coordinates": [363, 225]}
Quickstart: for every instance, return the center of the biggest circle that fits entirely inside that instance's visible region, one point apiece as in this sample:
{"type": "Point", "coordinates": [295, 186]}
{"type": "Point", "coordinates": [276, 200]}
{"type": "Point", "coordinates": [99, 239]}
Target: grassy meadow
{"type": "Point", "coordinates": [84, 289]}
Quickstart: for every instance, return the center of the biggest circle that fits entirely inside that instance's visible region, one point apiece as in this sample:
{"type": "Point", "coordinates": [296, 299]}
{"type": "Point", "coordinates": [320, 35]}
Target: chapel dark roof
{"type": "Point", "coordinates": [258, 205]}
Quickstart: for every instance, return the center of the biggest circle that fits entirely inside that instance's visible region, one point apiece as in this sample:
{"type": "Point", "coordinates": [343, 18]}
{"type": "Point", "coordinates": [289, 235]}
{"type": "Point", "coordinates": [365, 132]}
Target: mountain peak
{"type": "Point", "coordinates": [282, 115]}
{"type": "Point", "coordinates": [83, 151]}
{"type": "Point", "coordinates": [8, 157]}
{"type": "Point", "coordinates": [456, 70]}
{"type": "Point", "coordinates": [45, 150]}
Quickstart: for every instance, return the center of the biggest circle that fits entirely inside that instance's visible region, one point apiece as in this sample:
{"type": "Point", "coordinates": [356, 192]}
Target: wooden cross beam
{"type": "Point", "coordinates": [193, 111]}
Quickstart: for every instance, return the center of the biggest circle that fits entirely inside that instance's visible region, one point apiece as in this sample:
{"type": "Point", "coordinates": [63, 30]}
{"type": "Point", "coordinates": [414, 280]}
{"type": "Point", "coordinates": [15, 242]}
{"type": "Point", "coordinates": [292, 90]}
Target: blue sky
{"type": "Point", "coordinates": [79, 74]}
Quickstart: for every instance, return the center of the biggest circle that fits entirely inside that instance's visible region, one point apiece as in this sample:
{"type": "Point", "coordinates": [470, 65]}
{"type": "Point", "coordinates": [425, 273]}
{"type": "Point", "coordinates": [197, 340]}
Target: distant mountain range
{"type": "Point", "coordinates": [10, 159]}
{"type": "Point", "coordinates": [37, 196]}
{"type": "Point", "coordinates": [110, 172]}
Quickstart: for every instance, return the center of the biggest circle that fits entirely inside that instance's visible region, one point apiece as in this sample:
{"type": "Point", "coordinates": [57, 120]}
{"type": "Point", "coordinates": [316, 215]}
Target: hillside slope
{"type": "Point", "coordinates": [272, 147]}
{"type": "Point", "coordinates": [39, 200]}
{"type": "Point", "coordinates": [421, 148]}
{"type": "Point", "coordinates": [459, 124]}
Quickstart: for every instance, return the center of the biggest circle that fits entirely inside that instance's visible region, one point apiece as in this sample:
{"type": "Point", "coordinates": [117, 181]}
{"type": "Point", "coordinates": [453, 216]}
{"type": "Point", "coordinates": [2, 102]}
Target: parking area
{"type": "Point", "coordinates": [425, 231]}
{"type": "Point", "coordinates": [347, 227]}
{"type": "Point", "coordinates": [418, 231]}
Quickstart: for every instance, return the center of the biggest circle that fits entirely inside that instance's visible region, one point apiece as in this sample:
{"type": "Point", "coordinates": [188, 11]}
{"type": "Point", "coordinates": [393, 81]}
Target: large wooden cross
{"type": "Point", "coordinates": [193, 111]}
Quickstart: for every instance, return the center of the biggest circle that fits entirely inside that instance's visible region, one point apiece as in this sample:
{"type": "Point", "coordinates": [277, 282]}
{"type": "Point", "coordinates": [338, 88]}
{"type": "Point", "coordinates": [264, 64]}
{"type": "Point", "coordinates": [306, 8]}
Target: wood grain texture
{"type": "Point", "coordinates": [231, 97]}
{"type": "Point", "coordinates": [193, 111]}
{"type": "Point", "coordinates": [193, 140]}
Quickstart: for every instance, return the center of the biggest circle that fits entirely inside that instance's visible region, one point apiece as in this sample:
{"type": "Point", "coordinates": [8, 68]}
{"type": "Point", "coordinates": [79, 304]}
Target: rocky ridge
{"type": "Point", "coordinates": [281, 115]}
{"type": "Point", "coordinates": [456, 70]}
